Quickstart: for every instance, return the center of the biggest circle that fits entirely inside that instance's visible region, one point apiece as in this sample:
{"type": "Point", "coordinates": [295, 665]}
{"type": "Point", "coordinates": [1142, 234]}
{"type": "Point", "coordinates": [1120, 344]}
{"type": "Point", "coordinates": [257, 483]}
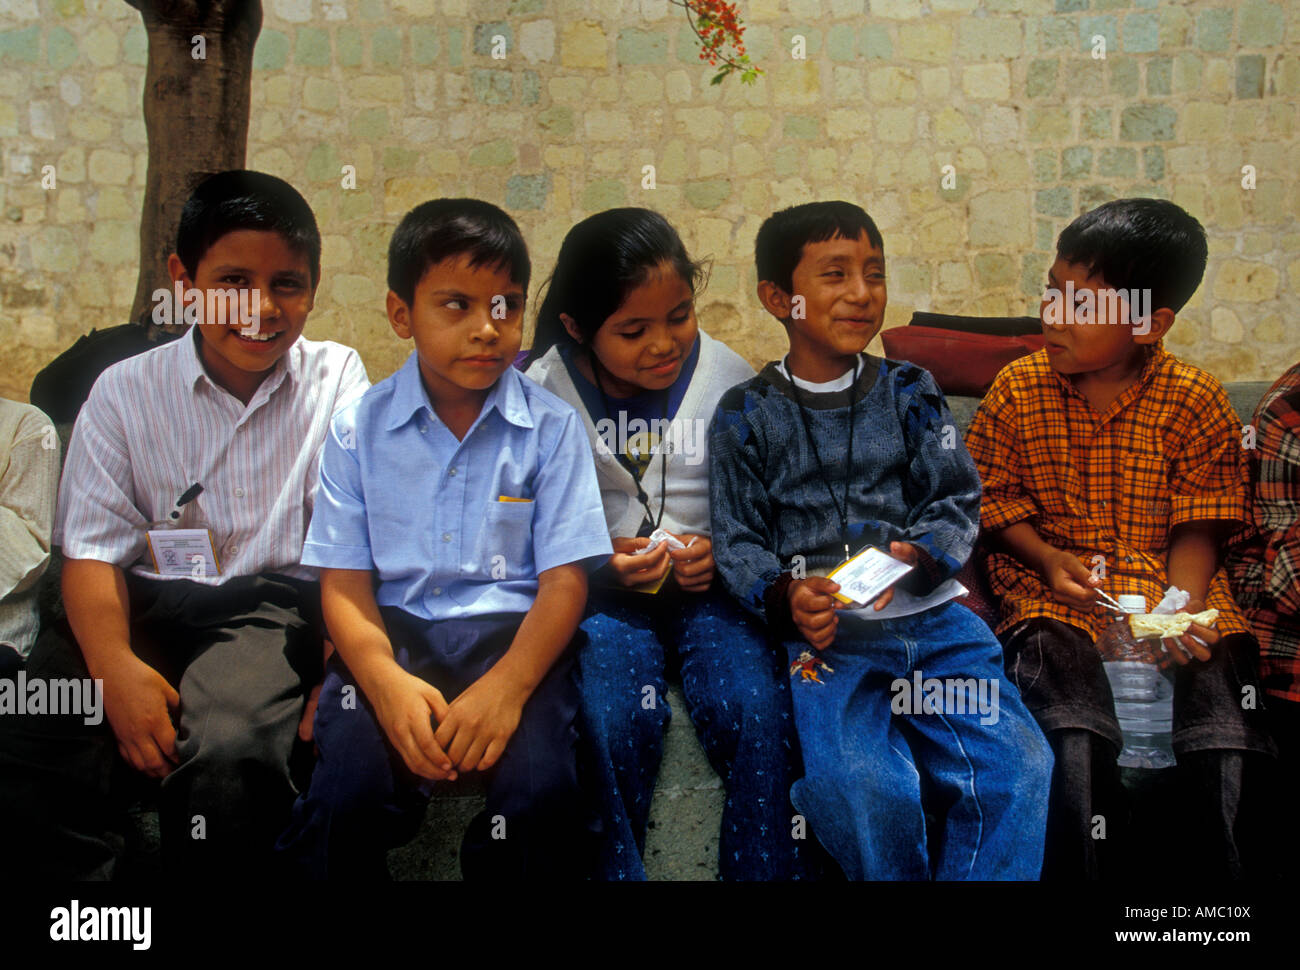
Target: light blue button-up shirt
{"type": "Point", "coordinates": [400, 496]}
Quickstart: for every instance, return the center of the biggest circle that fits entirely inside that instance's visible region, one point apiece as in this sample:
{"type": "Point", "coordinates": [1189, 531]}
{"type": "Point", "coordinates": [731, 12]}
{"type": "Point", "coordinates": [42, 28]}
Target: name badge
{"type": "Point", "coordinates": [183, 552]}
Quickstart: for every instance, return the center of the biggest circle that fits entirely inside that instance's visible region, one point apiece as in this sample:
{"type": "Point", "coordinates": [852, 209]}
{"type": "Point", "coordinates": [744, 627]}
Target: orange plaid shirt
{"type": "Point", "coordinates": [1166, 451]}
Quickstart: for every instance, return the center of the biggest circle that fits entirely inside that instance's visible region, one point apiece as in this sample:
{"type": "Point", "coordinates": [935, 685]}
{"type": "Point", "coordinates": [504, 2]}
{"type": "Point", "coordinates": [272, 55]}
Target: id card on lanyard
{"type": "Point", "coordinates": [190, 553]}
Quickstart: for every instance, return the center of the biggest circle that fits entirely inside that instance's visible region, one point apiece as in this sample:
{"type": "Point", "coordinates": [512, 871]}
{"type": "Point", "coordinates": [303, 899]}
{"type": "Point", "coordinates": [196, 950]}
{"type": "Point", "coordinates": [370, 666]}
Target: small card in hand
{"type": "Point", "coordinates": [866, 576]}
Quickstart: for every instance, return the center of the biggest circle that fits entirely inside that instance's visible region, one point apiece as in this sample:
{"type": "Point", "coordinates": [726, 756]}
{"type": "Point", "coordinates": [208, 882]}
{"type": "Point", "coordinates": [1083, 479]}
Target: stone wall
{"type": "Point", "coordinates": [1010, 93]}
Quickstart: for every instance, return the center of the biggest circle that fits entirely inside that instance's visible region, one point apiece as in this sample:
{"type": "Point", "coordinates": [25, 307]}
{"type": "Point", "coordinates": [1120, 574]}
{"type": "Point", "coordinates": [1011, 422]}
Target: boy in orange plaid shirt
{"type": "Point", "coordinates": [1106, 462]}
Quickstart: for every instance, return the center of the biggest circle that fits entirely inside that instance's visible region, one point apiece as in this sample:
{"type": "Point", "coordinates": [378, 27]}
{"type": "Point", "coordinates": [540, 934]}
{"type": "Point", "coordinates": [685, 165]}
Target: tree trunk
{"type": "Point", "coordinates": [195, 114]}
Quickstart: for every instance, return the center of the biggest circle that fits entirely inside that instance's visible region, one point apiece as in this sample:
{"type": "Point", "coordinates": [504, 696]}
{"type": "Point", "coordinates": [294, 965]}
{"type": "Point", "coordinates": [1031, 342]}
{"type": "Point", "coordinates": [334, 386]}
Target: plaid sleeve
{"type": "Point", "coordinates": [739, 506]}
{"type": "Point", "coordinates": [1277, 498]}
{"type": "Point", "coordinates": [993, 443]}
{"type": "Point", "coordinates": [1210, 479]}
{"type": "Point", "coordinates": [942, 485]}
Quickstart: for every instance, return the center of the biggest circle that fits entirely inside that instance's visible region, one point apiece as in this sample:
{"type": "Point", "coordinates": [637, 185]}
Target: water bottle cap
{"type": "Point", "coordinates": [1132, 603]}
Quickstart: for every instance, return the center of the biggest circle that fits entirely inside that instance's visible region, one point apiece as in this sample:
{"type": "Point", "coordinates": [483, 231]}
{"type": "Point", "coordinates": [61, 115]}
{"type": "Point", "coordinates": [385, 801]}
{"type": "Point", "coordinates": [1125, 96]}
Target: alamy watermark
{"type": "Point", "coordinates": [947, 695]}
{"type": "Point", "coordinates": [188, 305]}
{"type": "Point", "coordinates": [82, 697]}
{"type": "Point", "coordinates": [652, 437]}
{"type": "Point", "coordinates": [1090, 306]}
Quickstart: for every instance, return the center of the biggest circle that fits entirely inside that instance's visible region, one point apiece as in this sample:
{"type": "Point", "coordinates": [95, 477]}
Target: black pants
{"type": "Point", "coordinates": [1220, 738]}
{"type": "Point", "coordinates": [242, 656]}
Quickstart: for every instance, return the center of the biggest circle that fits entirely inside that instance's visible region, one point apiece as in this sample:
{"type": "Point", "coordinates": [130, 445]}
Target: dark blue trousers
{"type": "Point", "coordinates": [363, 800]}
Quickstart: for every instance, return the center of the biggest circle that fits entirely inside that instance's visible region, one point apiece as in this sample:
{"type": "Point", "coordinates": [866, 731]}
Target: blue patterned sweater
{"type": "Point", "coordinates": [912, 480]}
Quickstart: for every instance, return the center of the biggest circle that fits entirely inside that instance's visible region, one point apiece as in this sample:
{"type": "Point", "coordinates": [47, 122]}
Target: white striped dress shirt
{"type": "Point", "coordinates": [156, 424]}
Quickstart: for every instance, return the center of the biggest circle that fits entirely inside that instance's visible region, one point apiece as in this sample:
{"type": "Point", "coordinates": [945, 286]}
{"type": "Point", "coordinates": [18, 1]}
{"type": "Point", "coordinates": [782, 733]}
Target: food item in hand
{"type": "Point", "coordinates": [1162, 625]}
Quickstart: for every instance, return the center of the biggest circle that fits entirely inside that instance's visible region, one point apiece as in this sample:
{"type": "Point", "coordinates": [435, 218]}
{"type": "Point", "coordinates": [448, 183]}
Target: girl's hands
{"type": "Point", "coordinates": [632, 570]}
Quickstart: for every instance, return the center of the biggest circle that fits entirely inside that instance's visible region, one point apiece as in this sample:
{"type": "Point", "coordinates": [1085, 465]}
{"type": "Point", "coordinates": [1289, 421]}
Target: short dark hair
{"type": "Point", "coordinates": [782, 236]}
{"type": "Point", "coordinates": [442, 229]}
{"type": "Point", "coordinates": [602, 259]}
{"type": "Point", "coordinates": [1137, 244]}
{"type": "Point", "coordinates": [240, 199]}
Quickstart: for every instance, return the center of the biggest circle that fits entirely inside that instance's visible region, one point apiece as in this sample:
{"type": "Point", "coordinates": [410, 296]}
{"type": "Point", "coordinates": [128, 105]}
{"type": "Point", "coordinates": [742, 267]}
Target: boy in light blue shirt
{"type": "Point", "coordinates": [457, 516]}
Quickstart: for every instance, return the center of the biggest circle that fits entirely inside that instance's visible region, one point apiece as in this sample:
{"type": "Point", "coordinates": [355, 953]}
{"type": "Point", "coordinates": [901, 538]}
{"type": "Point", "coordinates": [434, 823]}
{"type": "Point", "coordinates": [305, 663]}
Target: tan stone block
{"type": "Point", "coordinates": [114, 242]}
{"type": "Point", "coordinates": [90, 127]}
{"type": "Point", "coordinates": [583, 44]}
{"type": "Point", "coordinates": [954, 277]}
{"type": "Point", "coordinates": [679, 86]}
{"type": "Point", "coordinates": [320, 94]}
{"type": "Point", "coordinates": [404, 193]}
{"type": "Point", "coordinates": [754, 197]}
{"type": "Point", "coordinates": [799, 84]}
{"type": "Point", "coordinates": [847, 83]}
{"type": "Point", "coordinates": [113, 203]}
{"type": "Point", "coordinates": [1204, 121]}
{"type": "Point", "coordinates": [8, 118]}
{"type": "Point", "coordinates": [710, 162]}
{"type": "Point", "coordinates": [353, 289]}
{"type": "Point", "coordinates": [891, 84]}
{"type": "Point", "coordinates": [1218, 75]}
{"type": "Point", "coordinates": [847, 123]}
{"type": "Point", "coordinates": [929, 41]}
{"type": "Point", "coordinates": [1225, 326]}
{"type": "Point", "coordinates": [896, 9]}
{"type": "Point", "coordinates": [1226, 206]}
{"type": "Point", "coordinates": [101, 46]}
{"type": "Point", "coordinates": [823, 164]}
{"type": "Point", "coordinates": [897, 125]}
{"type": "Point", "coordinates": [604, 89]}
{"type": "Point", "coordinates": [939, 230]}
{"type": "Point", "coordinates": [277, 89]}
{"type": "Point", "coordinates": [608, 125]}
{"type": "Point", "coordinates": [991, 81]}
{"type": "Point", "coordinates": [563, 156]}
{"type": "Point", "coordinates": [336, 251]}
{"type": "Point", "coordinates": [610, 160]}
{"type": "Point", "coordinates": [935, 82]}
{"type": "Point", "coordinates": [1009, 164]}
{"type": "Point", "coordinates": [387, 88]}
{"type": "Point", "coordinates": [701, 124]}
{"type": "Point", "coordinates": [274, 161]}
{"type": "Point", "coordinates": [568, 90]}
{"type": "Point", "coordinates": [752, 124]}
{"type": "Point", "coordinates": [950, 127]}
{"type": "Point", "coordinates": [110, 92]}
{"type": "Point", "coordinates": [672, 161]}
{"type": "Point", "coordinates": [643, 87]}
{"type": "Point", "coordinates": [1270, 332]}
{"type": "Point", "coordinates": [109, 167]}
{"type": "Point", "coordinates": [1000, 218]}
{"type": "Point", "coordinates": [1239, 281]}
{"type": "Point", "coordinates": [747, 160]}
{"type": "Point", "coordinates": [858, 161]}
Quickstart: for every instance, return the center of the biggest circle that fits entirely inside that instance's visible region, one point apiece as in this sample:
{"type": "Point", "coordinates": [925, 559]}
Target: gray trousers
{"type": "Point", "coordinates": [242, 657]}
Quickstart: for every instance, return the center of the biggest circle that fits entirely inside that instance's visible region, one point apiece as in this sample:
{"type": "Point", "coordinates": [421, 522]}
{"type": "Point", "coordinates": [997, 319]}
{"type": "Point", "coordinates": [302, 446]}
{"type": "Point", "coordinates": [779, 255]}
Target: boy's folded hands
{"type": "Point", "coordinates": [480, 722]}
{"type": "Point", "coordinates": [404, 705]}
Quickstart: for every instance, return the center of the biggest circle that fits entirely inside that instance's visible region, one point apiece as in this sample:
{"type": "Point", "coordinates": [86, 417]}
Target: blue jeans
{"type": "Point", "coordinates": [740, 706]}
{"type": "Point", "coordinates": [881, 750]}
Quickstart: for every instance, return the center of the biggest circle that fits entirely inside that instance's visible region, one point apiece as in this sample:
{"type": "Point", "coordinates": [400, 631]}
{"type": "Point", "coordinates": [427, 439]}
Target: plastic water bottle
{"type": "Point", "coordinates": [1144, 696]}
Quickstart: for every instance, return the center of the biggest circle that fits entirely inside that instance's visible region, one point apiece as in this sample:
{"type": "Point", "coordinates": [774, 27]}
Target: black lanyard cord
{"type": "Point", "coordinates": [626, 462]}
{"type": "Point", "coordinates": [843, 511]}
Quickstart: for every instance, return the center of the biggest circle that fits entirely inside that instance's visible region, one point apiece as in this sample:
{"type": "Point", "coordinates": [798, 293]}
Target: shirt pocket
{"type": "Point", "coordinates": [504, 549]}
{"type": "Point", "coordinates": [1144, 501]}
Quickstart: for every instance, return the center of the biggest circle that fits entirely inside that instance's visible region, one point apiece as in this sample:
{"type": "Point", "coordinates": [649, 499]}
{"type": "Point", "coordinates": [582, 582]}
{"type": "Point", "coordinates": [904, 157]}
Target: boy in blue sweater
{"type": "Point", "coordinates": [901, 707]}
